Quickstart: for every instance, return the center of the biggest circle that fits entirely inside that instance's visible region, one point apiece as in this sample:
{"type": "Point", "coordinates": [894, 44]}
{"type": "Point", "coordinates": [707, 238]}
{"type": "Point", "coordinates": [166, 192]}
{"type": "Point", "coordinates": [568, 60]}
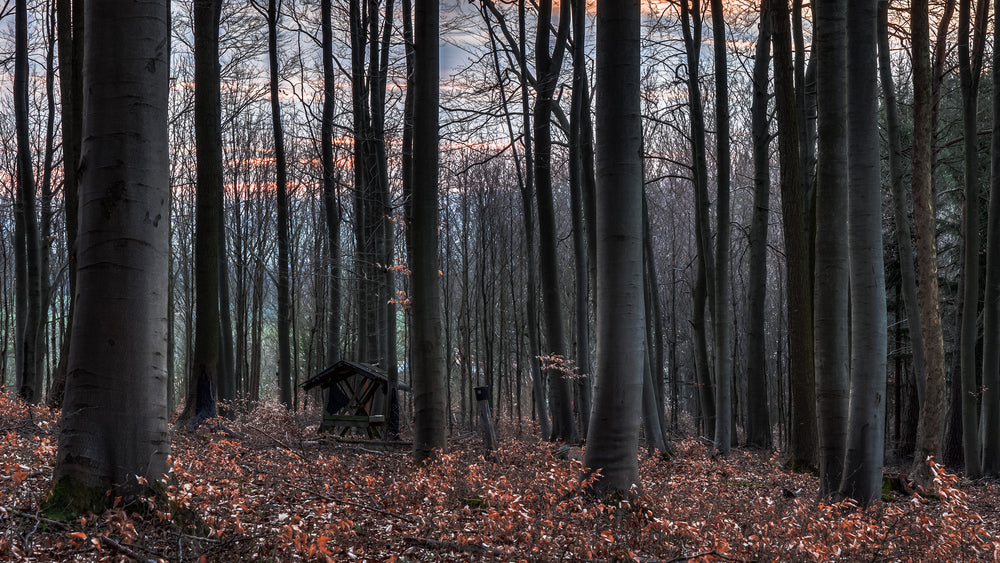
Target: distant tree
{"type": "Point", "coordinates": [614, 427]}
{"type": "Point", "coordinates": [118, 352]}
{"type": "Point", "coordinates": [28, 358]}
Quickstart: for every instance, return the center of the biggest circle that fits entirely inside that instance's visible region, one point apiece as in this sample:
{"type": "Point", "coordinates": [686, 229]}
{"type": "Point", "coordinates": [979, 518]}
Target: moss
{"type": "Point", "coordinates": [70, 498]}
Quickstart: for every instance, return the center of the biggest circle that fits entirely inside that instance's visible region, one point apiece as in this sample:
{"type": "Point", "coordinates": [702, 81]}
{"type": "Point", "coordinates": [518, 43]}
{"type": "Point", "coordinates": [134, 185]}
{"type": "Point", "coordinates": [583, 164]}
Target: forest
{"type": "Point", "coordinates": [635, 280]}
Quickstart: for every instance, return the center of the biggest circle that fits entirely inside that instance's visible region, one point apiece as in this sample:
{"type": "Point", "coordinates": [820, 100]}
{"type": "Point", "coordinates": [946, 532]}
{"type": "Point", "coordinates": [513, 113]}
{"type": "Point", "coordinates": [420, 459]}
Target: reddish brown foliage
{"type": "Point", "coordinates": [275, 492]}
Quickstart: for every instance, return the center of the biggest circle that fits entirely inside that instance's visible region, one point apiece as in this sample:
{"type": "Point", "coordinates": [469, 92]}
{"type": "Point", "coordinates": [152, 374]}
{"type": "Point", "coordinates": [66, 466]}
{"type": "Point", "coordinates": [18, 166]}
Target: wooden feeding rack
{"type": "Point", "coordinates": [356, 398]}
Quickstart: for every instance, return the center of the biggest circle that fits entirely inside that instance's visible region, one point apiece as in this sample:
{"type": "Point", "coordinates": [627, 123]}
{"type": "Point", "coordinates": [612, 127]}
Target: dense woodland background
{"type": "Point", "coordinates": [290, 244]}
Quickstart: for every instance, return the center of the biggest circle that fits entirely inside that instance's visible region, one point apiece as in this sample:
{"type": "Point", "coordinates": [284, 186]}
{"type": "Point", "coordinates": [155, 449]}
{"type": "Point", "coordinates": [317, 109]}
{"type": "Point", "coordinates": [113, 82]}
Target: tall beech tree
{"type": "Point", "coordinates": [904, 243]}
{"type": "Point", "coordinates": [430, 424]}
{"type": "Point", "coordinates": [27, 355]}
{"type": "Point", "coordinates": [864, 456]}
{"type": "Point", "coordinates": [803, 431]}
{"type": "Point", "coordinates": [207, 380]}
{"type": "Point", "coordinates": [930, 425]}
{"type": "Point", "coordinates": [722, 317]}
{"type": "Point", "coordinates": [991, 309]}
{"type": "Point", "coordinates": [831, 329]}
{"type": "Point", "coordinates": [285, 384]}
{"type": "Point", "coordinates": [119, 345]}
{"type": "Point", "coordinates": [547, 67]}
{"type": "Point", "coordinates": [614, 427]}
{"type": "Point", "coordinates": [758, 415]}
{"type": "Point", "coordinates": [970, 63]}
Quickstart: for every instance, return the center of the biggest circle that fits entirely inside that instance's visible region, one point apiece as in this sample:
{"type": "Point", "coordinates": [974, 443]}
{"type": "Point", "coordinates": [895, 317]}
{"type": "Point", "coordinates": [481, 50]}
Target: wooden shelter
{"type": "Point", "coordinates": [356, 398]}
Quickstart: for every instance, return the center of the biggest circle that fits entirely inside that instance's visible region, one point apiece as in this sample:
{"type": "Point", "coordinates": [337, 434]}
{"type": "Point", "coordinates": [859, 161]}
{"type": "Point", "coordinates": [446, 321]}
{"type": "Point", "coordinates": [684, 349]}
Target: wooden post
{"type": "Point", "coordinates": [486, 419]}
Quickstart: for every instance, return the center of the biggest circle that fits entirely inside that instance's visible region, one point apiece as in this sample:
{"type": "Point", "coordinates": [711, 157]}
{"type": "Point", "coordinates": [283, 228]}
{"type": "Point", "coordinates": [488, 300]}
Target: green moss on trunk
{"type": "Point", "coordinates": [70, 498]}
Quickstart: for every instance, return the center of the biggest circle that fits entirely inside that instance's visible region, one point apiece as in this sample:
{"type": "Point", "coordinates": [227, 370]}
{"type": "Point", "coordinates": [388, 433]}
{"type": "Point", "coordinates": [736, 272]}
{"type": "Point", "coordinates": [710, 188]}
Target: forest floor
{"type": "Point", "coordinates": [271, 490]}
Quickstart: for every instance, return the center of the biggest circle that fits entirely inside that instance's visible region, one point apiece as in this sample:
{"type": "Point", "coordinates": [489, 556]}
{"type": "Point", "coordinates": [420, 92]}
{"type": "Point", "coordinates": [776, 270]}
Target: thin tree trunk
{"type": "Point", "coordinates": [803, 431]}
{"type": "Point", "coordinates": [580, 234]}
{"type": "Point", "coordinates": [930, 425]}
{"type": "Point", "coordinates": [281, 190]}
{"type": "Point", "coordinates": [758, 427]}
{"type": "Point", "coordinates": [548, 66]}
{"type": "Point", "coordinates": [990, 423]}
{"type": "Point", "coordinates": [903, 231]}
{"type": "Point", "coordinates": [29, 376]}
{"type": "Point", "coordinates": [704, 284]}
{"type": "Point", "coordinates": [723, 316]}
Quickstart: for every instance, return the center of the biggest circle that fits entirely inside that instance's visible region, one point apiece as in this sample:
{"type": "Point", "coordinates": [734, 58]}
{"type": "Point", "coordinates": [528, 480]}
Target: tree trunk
{"type": "Point", "coordinates": [758, 428]}
{"type": "Point", "coordinates": [614, 427]}
{"type": "Point", "coordinates": [118, 354]}
{"type": "Point", "coordinates": [547, 69]}
{"type": "Point", "coordinates": [969, 63]}
{"type": "Point", "coordinates": [281, 189]}
{"type": "Point", "coordinates": [723, 316]}
{"type": "Point", "coordinates": [577, 171]}
{"type": "Point", "coordinates": [704, 284]}
{"type": "Point", "coordinates": [69, 22]}
{"type": "Point", "coordinates": [930, 426]}
{"type": "Point", "coordinates": [862, 477]}
{"type": "Point", "coordinates": [831, 336]}
{"type": "Point", "coordinates": [205, 378]}
{"type": "Point", "coordinates": [426, 349]}
{"type": "Point", "coordinates": [903, 232]}
{"type": "Point", "coordinates": [803, 443]}
{"type": "Point", "coordinates": [331, 201]}
{"type": "Point", "coordinates": [990, 422]}
{"type": "Point", "coordinates": [29, 375]}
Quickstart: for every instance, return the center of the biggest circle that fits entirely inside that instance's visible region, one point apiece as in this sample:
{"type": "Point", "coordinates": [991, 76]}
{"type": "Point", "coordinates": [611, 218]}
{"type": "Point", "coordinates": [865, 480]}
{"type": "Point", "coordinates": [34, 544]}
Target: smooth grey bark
{"type": "Point", "coordinates": [29, 375]}
{"type": "Point", "coordinates": [548, 65]}
{"type": "Point", "coordinates": [804, 434]}
{"type": "Point", "coordinates": [118, 352]}
{"type": "Point", "coordinates": [284, 329]}
{"type": "Point", "coordinates": [930, 425]}
{"type": "Point", "coordinates": [614, 427]}
{"type": "Point", "coordinates": [723, 315]}
{"type": "Point", "coordinates": [831, 329]}
{"type": "Point", "coordinates": [426, 346]}
{"type": "Point", "coordinates": [969, 70]}
{"type": "Point", "coordinates": [990, 423]}
{"type": "Point", "coordinates": [758, 427]}
{"type": "Point", "coordinates": [862, 478]}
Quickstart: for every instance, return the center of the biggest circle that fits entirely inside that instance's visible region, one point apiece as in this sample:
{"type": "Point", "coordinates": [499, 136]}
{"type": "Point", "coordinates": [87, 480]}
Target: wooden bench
{"type": "Point", "coordinates": [341, 424]}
